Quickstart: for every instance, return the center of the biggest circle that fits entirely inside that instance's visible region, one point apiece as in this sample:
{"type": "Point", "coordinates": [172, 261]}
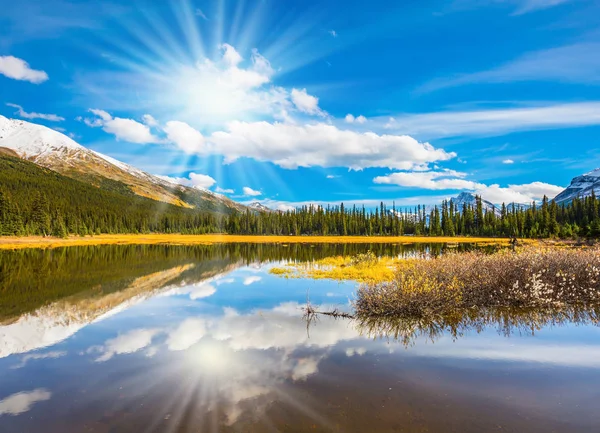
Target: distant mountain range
{"type": "Point", "coordinates": [54, 150]}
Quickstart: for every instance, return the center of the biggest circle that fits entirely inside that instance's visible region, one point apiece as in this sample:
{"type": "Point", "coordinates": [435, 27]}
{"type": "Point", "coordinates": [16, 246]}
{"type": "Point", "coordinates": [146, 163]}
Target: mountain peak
{"type": "Point", "coordinates": [593, 173]}
{"type": "Point", "coordinates": [53, 150]}
{"type": "Point", "coordinates": [580, 187]}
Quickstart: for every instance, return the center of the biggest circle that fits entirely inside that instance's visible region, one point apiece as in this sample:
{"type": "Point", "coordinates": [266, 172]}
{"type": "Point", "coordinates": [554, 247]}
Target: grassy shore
{"type": "Point", "coordinates": [179, 239]}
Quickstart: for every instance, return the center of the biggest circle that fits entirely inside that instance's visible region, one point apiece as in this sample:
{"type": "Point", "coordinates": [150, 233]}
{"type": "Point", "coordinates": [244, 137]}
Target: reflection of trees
{"type": "Point", "coordinates": [507, 321]}
{"type": "Point", "coordinates": [32, 278]}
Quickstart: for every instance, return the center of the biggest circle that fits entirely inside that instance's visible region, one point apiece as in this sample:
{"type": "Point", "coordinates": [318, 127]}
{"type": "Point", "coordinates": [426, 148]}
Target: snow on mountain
{"type": "Point", "coordinates": [33, 141]}
{"type": "Point", "coordinates": [54, 150]}
{"type": "Point", "coordinates": [581, 186]}
{"type": "Point", "coordinates": [259, 207]}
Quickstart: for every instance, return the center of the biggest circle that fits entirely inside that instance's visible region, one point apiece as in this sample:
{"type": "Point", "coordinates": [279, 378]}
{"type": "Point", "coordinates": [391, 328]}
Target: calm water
{"type": "Point", "coordinates": [204, 339]}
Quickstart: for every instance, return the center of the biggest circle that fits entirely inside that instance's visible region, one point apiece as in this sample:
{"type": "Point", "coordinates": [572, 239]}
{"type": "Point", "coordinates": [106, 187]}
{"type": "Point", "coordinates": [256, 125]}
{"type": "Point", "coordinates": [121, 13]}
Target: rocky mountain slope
{"type": "Point", "coordinates": [54, 150]}
{"type": "Point", "coordinates": [581, 186]}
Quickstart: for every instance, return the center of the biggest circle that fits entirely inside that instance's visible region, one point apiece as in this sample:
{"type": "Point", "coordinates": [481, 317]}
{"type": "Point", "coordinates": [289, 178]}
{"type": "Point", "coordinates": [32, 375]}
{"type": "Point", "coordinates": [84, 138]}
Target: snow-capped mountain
{"type": "Point", "coordinates": [470, 199]}
{"type": "Point", "coordinates": [54, 150]}
{"type": "Point", "coordinates": [581, 186]}
{"type": "Point", "coordinates": [259, 207]}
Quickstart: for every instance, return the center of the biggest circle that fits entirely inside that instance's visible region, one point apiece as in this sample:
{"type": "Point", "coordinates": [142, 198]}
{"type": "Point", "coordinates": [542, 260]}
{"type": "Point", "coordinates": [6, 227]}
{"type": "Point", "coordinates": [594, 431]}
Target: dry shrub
{"type": "Point", "coordinates": [532, 277]}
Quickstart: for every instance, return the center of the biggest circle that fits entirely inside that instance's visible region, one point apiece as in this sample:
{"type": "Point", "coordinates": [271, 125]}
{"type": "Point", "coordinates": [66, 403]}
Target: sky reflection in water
{"type": "Point", "coordinates": [230, 352]}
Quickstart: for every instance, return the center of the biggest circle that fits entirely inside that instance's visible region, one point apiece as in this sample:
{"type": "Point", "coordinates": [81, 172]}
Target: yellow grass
{"type": "Point", "coordinates": [179, 239]}
{"type": "Point", "coordinates": [342, 269]}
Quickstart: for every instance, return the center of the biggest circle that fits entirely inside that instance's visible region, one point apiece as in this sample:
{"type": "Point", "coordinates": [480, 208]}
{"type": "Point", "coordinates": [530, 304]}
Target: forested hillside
{"type": "Point", "coordinates": [39, 201]}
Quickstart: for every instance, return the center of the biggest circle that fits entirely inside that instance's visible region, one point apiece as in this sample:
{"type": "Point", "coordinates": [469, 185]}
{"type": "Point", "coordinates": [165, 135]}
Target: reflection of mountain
{"type": "Point", "coordinates": [57, 321]}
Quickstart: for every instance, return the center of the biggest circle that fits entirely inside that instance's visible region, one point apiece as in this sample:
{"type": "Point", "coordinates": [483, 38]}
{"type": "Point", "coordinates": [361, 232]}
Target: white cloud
{"type": "Point", "coordinates": [537, 190]}
{"type": "Point", "coordinates": [351, 119]}
{"type": "Point", "coordinates": [196, 180]}
{"type": "Point", "coordinates": [306, 103]}
{"type": "Point", "coordinates": [453, 180]}
{"type": "Point", "coordinates": [321, 144]}
{"type": "Point", "coordinates": [214, 92]}
{"type": "Point", "coordinates": [432, 180]}
{"type": "Point", "coordinates": [508, 161]}
{"type": "Point", "coordinates": [22, 402]}
{"type": "Point", "coordinates": [149, 120]}
{"type": "Point", "coordinates": [496, 121]}
{"type": "Point", "coordinates": [123, 129]}
{"type": "Point", "coordinates": [18, 69]}
{"type": "Point", "coordinates": [333, 33]}
{"type": "Point", "coordinates": [251, 192]}
{"type": "Point", "coordinates": [224, 190]}
{"type": "Point", "coordinates": [129, 342]}
{"type": "Point", "coordinates": [251, 280]}
{"type": "Point", "coordinates": [184, 136]}
{"type": "Point", "coordinates": [332, 176]}
{"type": "Point", "coordinates": [26, 115]}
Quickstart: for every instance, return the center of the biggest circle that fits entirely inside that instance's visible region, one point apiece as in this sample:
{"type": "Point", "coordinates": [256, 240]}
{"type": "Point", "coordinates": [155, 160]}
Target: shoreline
{"type": "Point", "coordinates": [13, 243]}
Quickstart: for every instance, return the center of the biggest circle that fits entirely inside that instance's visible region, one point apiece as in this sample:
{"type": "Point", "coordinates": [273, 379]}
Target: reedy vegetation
{"type": "Point", "coordinates": [531, 277]}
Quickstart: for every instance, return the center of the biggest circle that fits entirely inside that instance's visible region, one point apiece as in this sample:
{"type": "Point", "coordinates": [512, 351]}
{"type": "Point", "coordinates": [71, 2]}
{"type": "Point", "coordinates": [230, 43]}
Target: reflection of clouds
{"type": "Point", "coordinates": [251, 280]}
{"type": "Point", "coordinates": [21, 402]}
{"type": "Point", "coordinates": [48, 355]}
{"type": "Point", "coordinates": [129, 342]}
{"type": "Point", "coordinates": [360, 351]}
{"type": "Point", "coordinates": [202, 291]}
{"type": "Point", "coordinates": [188, 333]}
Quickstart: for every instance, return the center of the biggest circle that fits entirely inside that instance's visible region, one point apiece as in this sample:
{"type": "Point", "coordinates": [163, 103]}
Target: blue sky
{"type": "Point", "coordinates": [289, 102]}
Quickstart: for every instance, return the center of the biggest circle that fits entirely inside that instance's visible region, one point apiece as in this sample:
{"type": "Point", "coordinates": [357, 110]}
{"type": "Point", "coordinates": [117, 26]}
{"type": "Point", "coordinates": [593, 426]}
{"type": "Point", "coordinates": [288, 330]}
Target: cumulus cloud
{"type": "Point", "coordinates": [22, 402]}
{"type": "Point", "coordinates": [508, 161]}
{"type": "Point", "coordinates": [351, 119]}
{"type": "Point", "coordinates": [123, 129]}
{"type": "Point", "coordinates": [251, 192]}
{"type": "Point", "coordinates": [224, 190]}
{"type": "Point", "coordinates": [432, 180]}
{"type": "Point", "coordinates": [454, 180]}
{"type": "Point", "coordinates": [184, 136]}
{"type": "Point", "coordinates": [306, 103]}
{"type": "Point", "coordinates": [321, 144]}
{"type": "Point", "coordinates": [18, 69]}
{"type": "Point", "coordinates": [537, 190]}
{"type": "Point", "coordinates": [196, 180]}
{"type": "Point", "coordinates": [22, 113]}
{"type": "Point", "coordinates": [333, 33]}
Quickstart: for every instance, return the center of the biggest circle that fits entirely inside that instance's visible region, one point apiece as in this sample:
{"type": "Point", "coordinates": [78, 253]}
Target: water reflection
{"type": "Point", "coordinates": [506, 321]}
{"type": "Point", "coordinates": [200, 339]}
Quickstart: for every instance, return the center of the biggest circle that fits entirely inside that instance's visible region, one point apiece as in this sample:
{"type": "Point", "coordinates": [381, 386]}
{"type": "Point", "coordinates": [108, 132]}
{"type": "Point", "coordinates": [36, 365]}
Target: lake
{"type": "Point", "coordinates": [205, 339]}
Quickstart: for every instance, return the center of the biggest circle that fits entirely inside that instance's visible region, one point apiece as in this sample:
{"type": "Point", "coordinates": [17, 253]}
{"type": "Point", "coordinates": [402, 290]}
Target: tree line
{"type": "Point", "coordinates": [38, 201]}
